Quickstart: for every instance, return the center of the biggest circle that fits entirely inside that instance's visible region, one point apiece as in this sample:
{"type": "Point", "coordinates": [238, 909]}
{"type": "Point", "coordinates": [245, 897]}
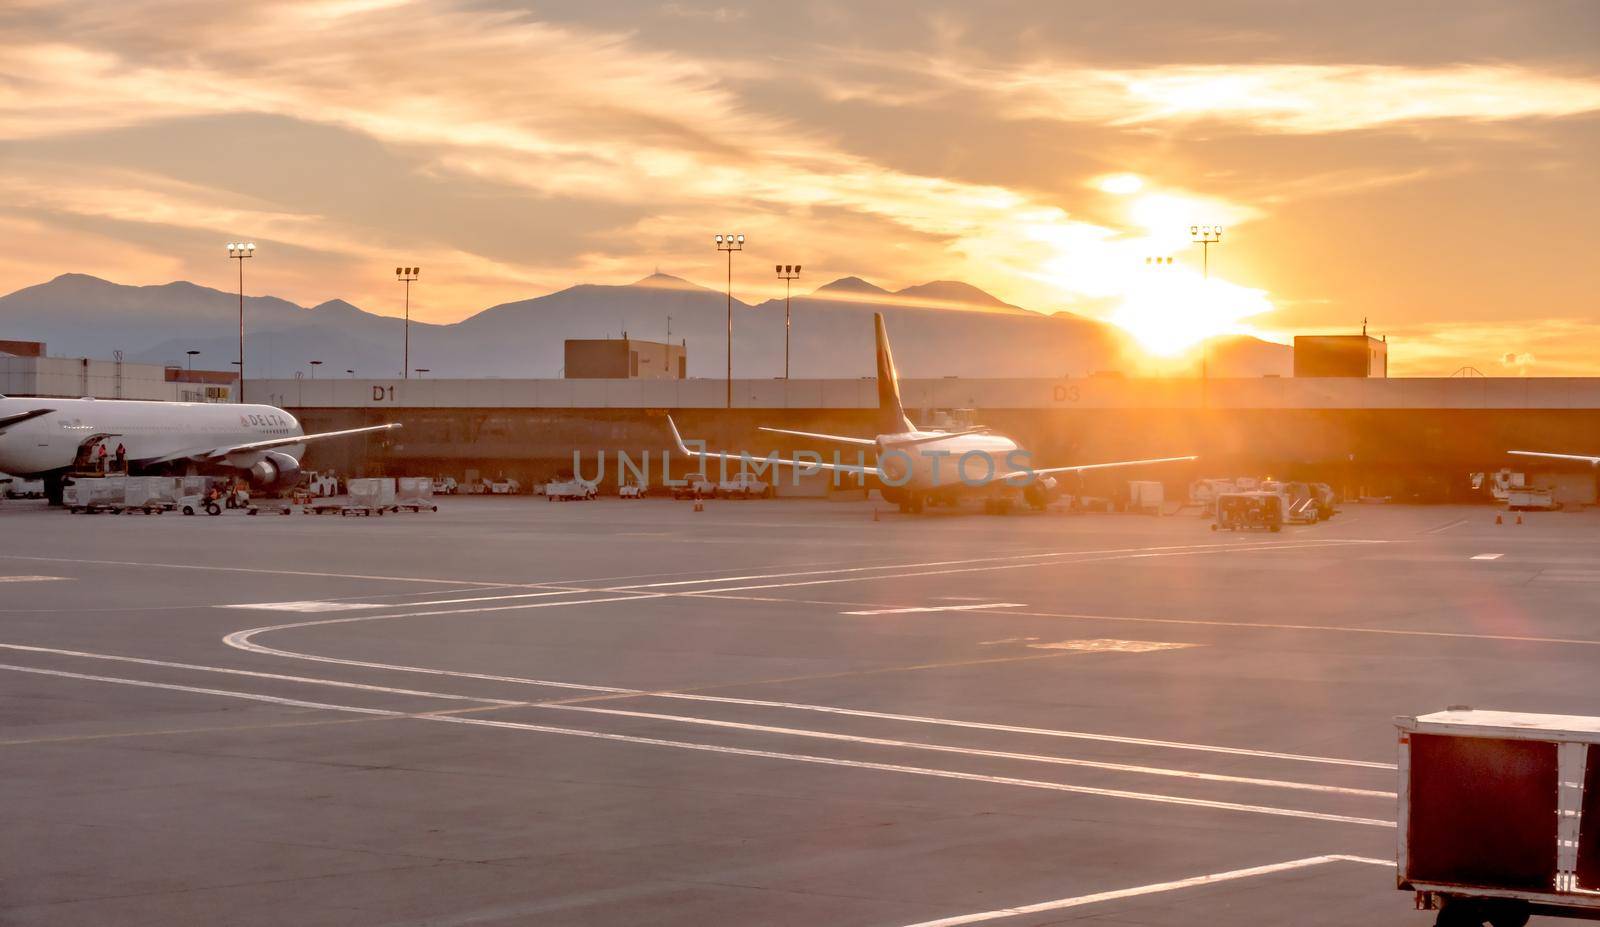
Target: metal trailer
{"type": "Point", "coordinates": [1500, 816]}
{"type": "Point", "coordinates": [414, 493]}
{"type": "Point", "coordinates": [95, 494]}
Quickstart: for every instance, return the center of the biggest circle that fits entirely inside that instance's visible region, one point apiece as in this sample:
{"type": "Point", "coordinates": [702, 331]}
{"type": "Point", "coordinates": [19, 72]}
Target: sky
{"type": "Point", "coordinates": [1426, 166]}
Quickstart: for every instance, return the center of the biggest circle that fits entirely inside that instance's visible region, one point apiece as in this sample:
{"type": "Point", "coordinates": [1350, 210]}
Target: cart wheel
{"type": "Point", "coordinates": [188, 510]}
{"type": "Point", "coordinates": [213, 509]}
{"type": "Point", "coordinates": [1459, 912]}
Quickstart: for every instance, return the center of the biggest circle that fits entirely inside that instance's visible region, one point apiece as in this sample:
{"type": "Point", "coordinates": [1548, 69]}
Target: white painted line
{"type": "Point", "coordinates": [1488, 556]}
{"type": "Point", "coordinates": [309, 605]}
{"type": "Point", "coordinates": [32, 579]}
{"type": "Point", "coordinates": [228, 569]}
{"type": "Point", "coordinates": [1152, 889]}
{"type": "Point", "coordinates": [1441, 529]}
{"type": "Point", "coordinates": [1007, 640]}
{"type": "Point", "coordinates": [1109, 645]}
{"type": "Point", "coordinates": [243, 640]}
{"type": "Point", "coordinates": [741, 751]}
{"type": "Point", "coordinates": [992, 754]}
{"type": "Point", "coordinates": [308, 680]}
{"type": "Point", "coordinates": [937, 608]}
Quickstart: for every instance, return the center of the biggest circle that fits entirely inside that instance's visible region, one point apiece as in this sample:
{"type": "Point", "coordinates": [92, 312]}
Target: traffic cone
{"type": "Point", "coordinates": [699, 506]}
{"type": "Point", "coordinates": [1499, 519]}
{"type": "Point", "coordinates": [1519, 519]}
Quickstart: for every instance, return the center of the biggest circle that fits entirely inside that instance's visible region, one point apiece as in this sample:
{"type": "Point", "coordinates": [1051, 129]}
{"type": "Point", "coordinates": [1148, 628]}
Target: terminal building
{"type": "Point", "coordinates": [1412, 439]}
{"type": "Point", "coordinates": [26, 369]}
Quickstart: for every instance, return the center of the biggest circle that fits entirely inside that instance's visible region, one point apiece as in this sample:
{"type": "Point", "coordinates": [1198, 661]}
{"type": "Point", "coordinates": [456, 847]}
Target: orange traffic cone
{"type": "Point", "coordinates": [1519, 519]}
{"type": "Point", "coordinates": [1499, 519]}
{"type": "Point", "coordinates": [699, 506]}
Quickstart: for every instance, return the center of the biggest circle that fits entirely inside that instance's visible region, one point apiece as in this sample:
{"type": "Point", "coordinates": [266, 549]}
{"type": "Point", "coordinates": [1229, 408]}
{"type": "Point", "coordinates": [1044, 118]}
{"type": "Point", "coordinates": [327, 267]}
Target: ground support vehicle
{"type": "Point", "coordinates": [743, 486]}
{"type": "Point", "coordinates": [198, 504]}
{"type": "Point", "coordinates": [630, 490]}
{"type": "Point", "coordinates": [1499, 816]}
{"type": "Point", "coordinates": [570, 490]}
{"type": "Point", "coordinates": [695, 486]}
{"type": "Point", "coordinates": [1238, 511]}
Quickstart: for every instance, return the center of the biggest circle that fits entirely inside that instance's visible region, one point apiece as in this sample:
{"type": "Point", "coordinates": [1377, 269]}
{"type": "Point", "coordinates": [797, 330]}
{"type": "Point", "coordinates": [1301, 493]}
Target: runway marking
{"type": "Point", "coordinates": [973, 751]}
{"type": "Point", "coordinates": [33, 579]}
{"type": "Point", "coordinates": [309, 605]}
{"type": "Point", "coordinates": [243, 640]}
{"type": "Point", "coordinates": [1487, 556]}
{"type": "Point", "coordinates": [1441, 529]}
{"type": "Point", "coordinates": [1109, 645]}
{"type": "Point", "coordinates": [737, 751]}
{"type": "Point", "coordinates": [937, 608]}
{"type": "Point", "coordinates": [229, 569]}
{"type": "Point", "coordinates": [712, 722]}
{"type": "Point", "coordinates": [1152, 889]}
{"type": "Point", "coordinates": [310, 680]}
{"type": "Point", "coordinates": [1007, 640]}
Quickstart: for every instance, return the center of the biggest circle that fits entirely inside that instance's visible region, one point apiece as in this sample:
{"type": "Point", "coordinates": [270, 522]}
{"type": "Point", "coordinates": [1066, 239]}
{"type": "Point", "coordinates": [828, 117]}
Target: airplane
{"type": "Point", "coordinates": [914, 467]}
{"type": "Point", "coordinates": [50, 438]}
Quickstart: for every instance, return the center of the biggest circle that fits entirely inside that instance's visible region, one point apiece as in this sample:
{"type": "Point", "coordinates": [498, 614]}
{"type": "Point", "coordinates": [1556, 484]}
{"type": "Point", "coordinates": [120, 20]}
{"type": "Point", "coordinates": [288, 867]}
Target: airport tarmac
{"type": "Point", "coordinates": [781, 712]}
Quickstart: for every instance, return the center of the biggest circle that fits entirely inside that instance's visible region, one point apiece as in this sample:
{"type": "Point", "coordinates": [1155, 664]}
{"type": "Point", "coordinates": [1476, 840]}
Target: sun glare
{"type": "Point", "coordinates": [1120, 184]}
{"type": "Point", "coordinates": [1170, 308]}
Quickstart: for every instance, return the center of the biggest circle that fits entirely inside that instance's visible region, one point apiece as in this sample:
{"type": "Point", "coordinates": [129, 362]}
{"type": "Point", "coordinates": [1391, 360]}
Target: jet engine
{"type": "Point", "coordinates": [275, 467]}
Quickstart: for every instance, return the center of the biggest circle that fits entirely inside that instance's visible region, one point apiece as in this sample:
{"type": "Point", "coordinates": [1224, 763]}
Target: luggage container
{"type": "Point", "coordinates": [95, 494]}
{"type": "Point", "coordinates": [414, 493]}
{"type": "Point", "coordinates": [1500, 816]}
{"type": "Point", "coordinates": [150, 494]}
{"type": "Point", "coordinates": [369, 496]}
{"type": "Point", "coordinates": [1146, 496]}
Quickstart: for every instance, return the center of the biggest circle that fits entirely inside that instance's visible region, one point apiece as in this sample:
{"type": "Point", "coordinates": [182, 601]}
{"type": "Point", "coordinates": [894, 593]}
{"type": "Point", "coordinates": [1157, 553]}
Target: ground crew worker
{"type": "Point", "coordinates": [101, 457]}
{"type": "Point", "coordinates": [122, 458]}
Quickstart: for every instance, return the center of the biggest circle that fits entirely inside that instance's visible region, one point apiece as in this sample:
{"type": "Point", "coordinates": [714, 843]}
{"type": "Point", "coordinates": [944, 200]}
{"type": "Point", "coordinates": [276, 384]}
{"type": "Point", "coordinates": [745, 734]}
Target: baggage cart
{"type": "Point", "coordinates": [151, 495]}
{"type": "Point", "coordinates": [1500, 815]}
{"type": "Point", "coordinates": [369, 496]}
{"type": "Point", "coordinates": [91, 495]}
{"type": "Point", "coordinates": [414, 494]}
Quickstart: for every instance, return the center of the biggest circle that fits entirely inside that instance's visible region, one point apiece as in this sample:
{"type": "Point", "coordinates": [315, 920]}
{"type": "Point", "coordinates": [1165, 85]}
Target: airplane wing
{"type": "Point", "coordinates": [840, 439]}
{"type": "Point", "coordinates": [7, 421]}
{"type": "Point", "coordinates": [214, 453]}
{"type": "Point", "coordinates": [1080, 468]}
{"type": "Point", "coordinates": [677, 440]}
{"type": "Point", "coordinates": [298, 439]}
{"type": "Point", "coordinates": [1592, 461]}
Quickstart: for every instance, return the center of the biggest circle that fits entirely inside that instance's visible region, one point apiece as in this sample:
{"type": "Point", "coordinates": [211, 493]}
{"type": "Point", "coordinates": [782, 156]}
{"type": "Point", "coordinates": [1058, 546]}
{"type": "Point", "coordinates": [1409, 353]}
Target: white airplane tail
{"type": "Point", "coordinates": [891, 414]}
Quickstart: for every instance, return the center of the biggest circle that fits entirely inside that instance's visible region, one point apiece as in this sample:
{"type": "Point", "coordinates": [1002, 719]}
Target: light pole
{"type": "Point", "coordinates": [191, 352]}
{"type": "Point", "coordinates": [239, 251]}
{"type": "Point", "coordinates": [314, 366]}
{"type": "Point", "coordinates": [407, 275]}
{"type": "Point", "coordinates": [1205, 236]}
{"type": "Point", "coordinates": [786, 273]}
{"type": "Point", "coordinates": [730, 244]}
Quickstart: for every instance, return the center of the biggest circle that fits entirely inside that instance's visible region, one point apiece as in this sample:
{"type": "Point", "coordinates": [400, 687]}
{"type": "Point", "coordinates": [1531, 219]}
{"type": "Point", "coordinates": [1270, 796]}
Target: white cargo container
{"type": "Point", "coordinates": [150, 493]}
{"type": "Point", "coordinates": [1500, 815]}
{"type": "Point", "coordinates": [1146, 496]}
{"type": "Point", "coordinates": [414, 493]}
{"type": "Point", "coordinates": [95, 494]}
{"type": "Point", "coordinates": [373, 494]}
{"type": "Point", "coordinates": [1524, 499]}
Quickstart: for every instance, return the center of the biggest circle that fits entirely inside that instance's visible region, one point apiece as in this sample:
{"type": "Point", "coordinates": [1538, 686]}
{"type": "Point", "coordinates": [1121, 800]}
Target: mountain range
{"type": "Point", "coordinates": [941, 328]}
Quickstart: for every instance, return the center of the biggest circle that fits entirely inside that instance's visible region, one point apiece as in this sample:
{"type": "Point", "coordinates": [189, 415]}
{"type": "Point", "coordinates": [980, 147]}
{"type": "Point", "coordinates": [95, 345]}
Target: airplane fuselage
{"type": "Point", "coordinates": [924, 462]}
{"type": "Point", "coordinates": [149, 431]}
